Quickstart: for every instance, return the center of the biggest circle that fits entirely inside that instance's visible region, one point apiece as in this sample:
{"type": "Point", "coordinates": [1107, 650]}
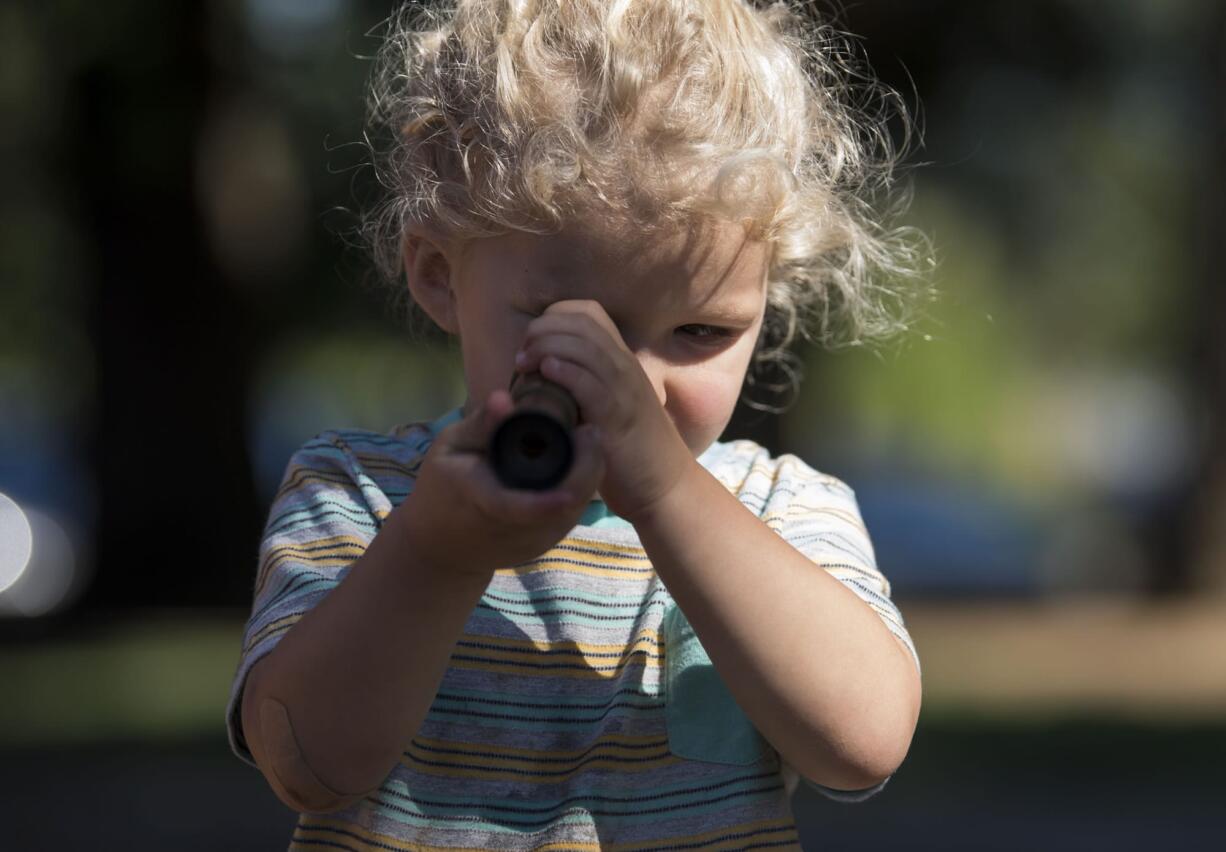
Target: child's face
{"type": "Point", "coordinates": [688, 307]}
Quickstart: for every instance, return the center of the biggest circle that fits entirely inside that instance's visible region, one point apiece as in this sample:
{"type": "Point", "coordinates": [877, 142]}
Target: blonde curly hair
{"type": "Point", "coordinates": [490, 116]}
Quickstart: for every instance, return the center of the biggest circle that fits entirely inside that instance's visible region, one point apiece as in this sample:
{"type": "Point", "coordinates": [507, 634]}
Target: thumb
{"type": "Point", "coordinates": [588, 469]}
{"type": "Point", "coordinates": [473, 433]}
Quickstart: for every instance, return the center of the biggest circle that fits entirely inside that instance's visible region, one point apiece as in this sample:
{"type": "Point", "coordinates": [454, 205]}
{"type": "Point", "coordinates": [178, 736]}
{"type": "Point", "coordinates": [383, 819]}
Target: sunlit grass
{"type": "Point", "coordinates": [159, 678]}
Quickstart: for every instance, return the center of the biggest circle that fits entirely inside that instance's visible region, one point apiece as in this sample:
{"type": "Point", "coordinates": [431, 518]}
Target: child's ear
{"type": "Point", "coordinates": [429, 272]}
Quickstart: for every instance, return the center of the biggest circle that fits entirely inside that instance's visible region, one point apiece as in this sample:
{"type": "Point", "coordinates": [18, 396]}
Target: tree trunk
{"type": "Point", "coordinates": [177, 520]}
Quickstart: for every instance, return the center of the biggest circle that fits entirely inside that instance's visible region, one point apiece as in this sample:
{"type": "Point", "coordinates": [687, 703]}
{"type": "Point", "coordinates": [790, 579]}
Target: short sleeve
{"type": "Point", "coordinates": [321, 520]}
{"type": "Point", "coordinates": [818, 515]}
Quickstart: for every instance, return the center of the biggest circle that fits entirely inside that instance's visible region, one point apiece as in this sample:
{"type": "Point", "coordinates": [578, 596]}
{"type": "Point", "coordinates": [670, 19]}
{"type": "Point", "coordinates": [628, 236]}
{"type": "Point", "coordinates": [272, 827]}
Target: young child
{"type": "Point", "coordinates": [636, 199]}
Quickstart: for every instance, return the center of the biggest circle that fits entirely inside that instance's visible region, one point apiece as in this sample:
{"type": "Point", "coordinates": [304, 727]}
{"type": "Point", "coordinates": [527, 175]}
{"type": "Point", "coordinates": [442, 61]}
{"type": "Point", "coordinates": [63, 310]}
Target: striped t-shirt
{"type": "Point", "coordinates": [578, 709]}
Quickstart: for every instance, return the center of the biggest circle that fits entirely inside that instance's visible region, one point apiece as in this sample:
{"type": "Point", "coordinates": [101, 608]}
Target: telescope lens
{"type": "Point", "coordinates": [531, 450]}
{"type": "Point", "coordinates": [532, 445]}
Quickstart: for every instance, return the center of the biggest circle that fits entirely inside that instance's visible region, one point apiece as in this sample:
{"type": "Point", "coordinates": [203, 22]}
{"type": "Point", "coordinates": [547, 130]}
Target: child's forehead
{"type": "Point", "coordinates": [690, 252]}
{"type": "Point", "coordinates": [716, 266]}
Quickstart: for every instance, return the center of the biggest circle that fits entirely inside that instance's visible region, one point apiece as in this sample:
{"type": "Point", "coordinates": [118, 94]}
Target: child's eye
{"type": "Point", "coordinates": [705, 333]}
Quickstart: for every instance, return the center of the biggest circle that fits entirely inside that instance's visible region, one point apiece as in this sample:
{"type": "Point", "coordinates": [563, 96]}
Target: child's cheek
{"type": "Point", "coordinates": [701, 407]}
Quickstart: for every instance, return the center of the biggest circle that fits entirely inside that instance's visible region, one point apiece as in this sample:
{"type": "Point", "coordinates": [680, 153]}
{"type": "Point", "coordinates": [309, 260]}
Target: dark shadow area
{"type": "Point", "coordinates": [1084, 784]}
{"type": "Point", "coordinates": [967, 785]}
{"type": "Point", "coordinates": [188, 796]}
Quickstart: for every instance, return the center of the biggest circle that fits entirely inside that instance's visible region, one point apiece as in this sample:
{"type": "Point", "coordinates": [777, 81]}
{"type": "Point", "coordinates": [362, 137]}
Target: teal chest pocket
{"type": "Point", "coordinates": [704, 721]}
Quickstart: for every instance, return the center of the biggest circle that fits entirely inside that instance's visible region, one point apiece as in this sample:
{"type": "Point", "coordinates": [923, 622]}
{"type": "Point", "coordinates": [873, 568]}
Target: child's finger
{"type": "Point", "coordinates": [578, 312]}
{"type": "Point", "coordinates": [592, 393]}
{"type": "Point", "coordinates": [588, 467]}
{"type": "Point", "coordinates": [512, 505]}
{"type": "Point", "coordinates": [473, 433]}
{"type": "Point", "coordinates": [568, 347]}
{"type": "Point", "coordinates": [527, 507]}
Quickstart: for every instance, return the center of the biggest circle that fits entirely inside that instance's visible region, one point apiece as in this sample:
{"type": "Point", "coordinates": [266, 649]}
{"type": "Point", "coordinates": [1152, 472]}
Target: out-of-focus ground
{"type": "Point", "coordinates": [165, 677]}
{"type": "Point", "coordinates": [1082, 724]}
{"type": "Point", "coordinates": [1138, 659]}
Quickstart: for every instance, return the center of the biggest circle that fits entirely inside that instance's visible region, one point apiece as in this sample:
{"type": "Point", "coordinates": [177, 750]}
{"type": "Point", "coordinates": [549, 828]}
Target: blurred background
{"type": "Point", "coordinates": [1041, 462]}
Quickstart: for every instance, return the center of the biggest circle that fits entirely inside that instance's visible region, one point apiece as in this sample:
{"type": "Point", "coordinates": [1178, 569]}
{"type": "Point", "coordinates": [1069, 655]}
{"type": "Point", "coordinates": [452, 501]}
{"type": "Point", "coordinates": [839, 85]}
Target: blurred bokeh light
{"type": "Point", "coordinates": [49, 577]}
{"type": "Point", "coordinates": [15, 543]}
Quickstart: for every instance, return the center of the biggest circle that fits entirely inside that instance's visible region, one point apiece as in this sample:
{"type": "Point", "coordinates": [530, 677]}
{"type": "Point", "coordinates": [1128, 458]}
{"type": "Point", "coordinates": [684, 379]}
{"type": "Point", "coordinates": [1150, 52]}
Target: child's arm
{"type": "Point", "coordinates": [328, 712]}
{"type": "Point", "coordinates": [813, 667]}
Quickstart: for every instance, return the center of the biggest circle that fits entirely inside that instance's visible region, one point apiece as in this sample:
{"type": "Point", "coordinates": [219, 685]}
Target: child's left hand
{"type": "Point", "coordinates": [575, 344]}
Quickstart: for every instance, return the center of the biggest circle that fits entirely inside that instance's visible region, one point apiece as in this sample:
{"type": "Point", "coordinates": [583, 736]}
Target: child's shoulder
{"type": "Point", "coordinates": [358, 451]}
{"type": "Point", "coordinates": [357, 472]}
{"type": "Point", "coordinates": [747, 467]}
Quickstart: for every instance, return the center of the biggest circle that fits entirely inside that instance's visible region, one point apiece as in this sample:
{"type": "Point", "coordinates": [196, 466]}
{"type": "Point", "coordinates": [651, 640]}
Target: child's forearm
{"type": "Point", "coordinates": [329, 711]}
{"type": "Point", "coordinates": [815, 669]}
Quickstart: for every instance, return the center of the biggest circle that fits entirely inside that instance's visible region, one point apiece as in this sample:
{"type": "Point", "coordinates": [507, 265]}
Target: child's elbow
{"type": "Point", "coordinates": [271, 739]}
{"type": "Point", "coordinates": [869, 750]}
{"type": "Point", "coordinates": [882, 762]}
{"type": "Point", "coordinates": [887, 742]}
{"type": "Point", "coordinates": [285, 768]}
{"type": "Point", "coordinates": [306, 797]}
{"type": "Point", "coordinates": [893, 740]}
{"type": "Point", "coordinates": [846, 773]}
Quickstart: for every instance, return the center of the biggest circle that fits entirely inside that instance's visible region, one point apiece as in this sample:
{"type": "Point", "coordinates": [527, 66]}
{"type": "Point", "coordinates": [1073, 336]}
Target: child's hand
{"type": "Point", "coordinates": [461, 518]}
{"type": "Point", "coordinates": [577, 345]}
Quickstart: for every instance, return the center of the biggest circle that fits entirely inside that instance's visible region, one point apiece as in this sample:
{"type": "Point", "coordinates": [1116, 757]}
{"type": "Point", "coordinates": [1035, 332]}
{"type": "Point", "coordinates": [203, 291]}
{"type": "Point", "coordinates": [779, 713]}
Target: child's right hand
{"type": "Point", "coordinates": [460, 518]}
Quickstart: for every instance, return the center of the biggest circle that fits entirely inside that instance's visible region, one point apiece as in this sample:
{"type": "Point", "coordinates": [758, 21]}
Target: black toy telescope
{"type": "Point", "coordinates": [533, 448]}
